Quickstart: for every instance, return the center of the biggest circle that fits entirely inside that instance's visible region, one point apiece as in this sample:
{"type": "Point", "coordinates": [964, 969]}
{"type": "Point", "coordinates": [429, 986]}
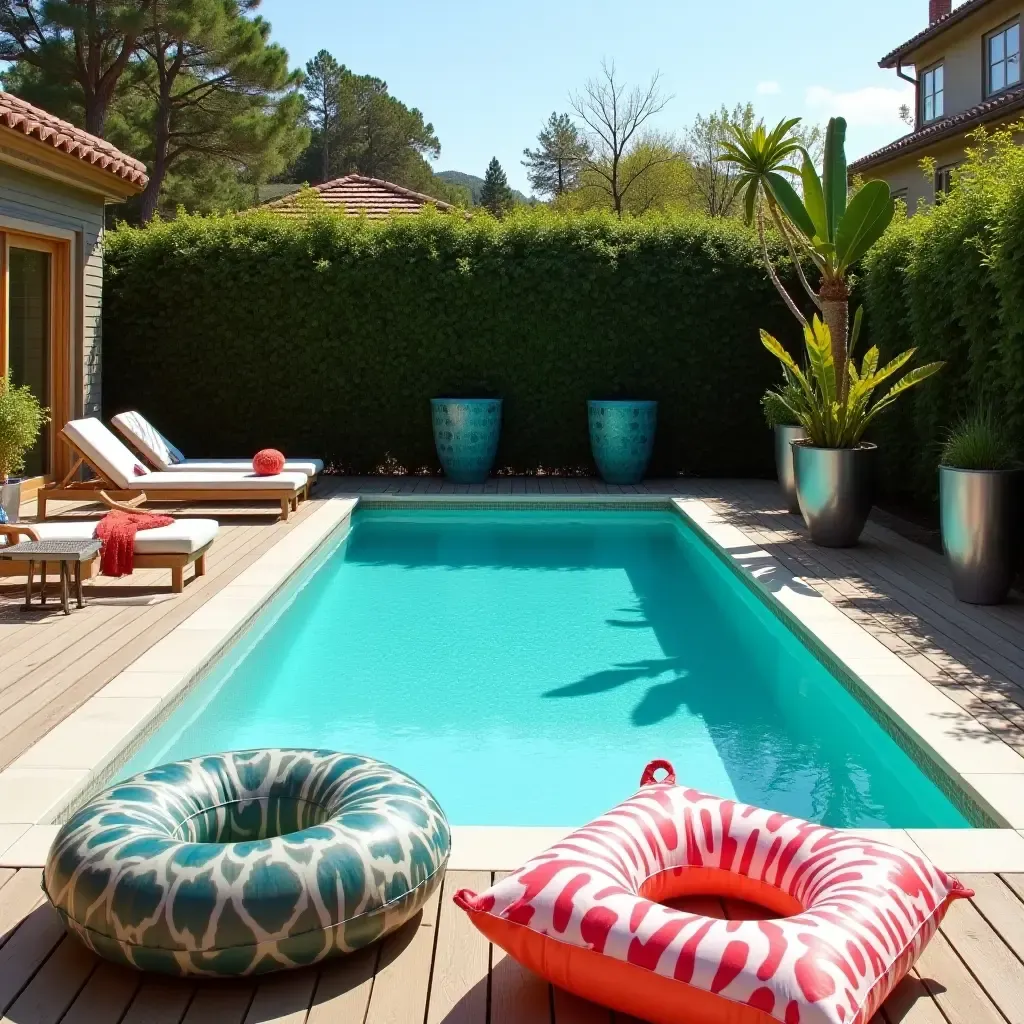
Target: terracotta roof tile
{"type": "Point", "coordinates": [22, 117]}
{"type": "Point", "coordinates": [955, 124]}
{"type": "Point", "coordinates": [955, 15]}
{"type": "Point", "coordinates": [355, 195]}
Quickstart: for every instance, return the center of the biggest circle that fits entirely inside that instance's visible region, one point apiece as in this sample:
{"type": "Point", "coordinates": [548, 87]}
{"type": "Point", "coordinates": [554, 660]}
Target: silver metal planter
{"type": "Point", "coordinates": [980, 517]}
{"type": "Point", "coordinates": [784, 438]}
{"type": "Point", "coordinates": [835, 487]}
{"type": "Point", "coordinates": [10, 499]}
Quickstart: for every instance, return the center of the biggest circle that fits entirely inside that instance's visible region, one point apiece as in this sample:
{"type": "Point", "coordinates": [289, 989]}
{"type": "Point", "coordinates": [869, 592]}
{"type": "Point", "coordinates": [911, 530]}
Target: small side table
{"type": "Point", "coordinates": [67, 553]}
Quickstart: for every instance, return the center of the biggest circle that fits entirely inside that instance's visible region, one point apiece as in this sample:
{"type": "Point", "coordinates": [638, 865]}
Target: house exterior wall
{"type": "Point", "coordinates": [35, 199]}
{"type": "Point", "coordinates": [961, 50]}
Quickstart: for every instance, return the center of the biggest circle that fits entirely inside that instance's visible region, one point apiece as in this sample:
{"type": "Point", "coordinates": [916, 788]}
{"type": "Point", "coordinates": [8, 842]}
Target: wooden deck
{"type": "Point", "coordinates": [439, 970]}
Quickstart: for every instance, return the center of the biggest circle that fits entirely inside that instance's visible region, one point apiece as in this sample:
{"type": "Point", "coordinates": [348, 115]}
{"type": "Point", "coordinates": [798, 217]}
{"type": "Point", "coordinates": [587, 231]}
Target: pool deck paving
{"type": "Point", "coordinates": [439, 970]}
{"type": "Point", "coordinates": [960, 675]}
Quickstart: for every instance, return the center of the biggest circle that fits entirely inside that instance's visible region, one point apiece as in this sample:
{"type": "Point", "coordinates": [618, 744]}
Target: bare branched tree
{"type": "Point", "coordinates": [613, 114]}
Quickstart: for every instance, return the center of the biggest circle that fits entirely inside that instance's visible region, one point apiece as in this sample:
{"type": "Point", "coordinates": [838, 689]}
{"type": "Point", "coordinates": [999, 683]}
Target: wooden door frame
{"type": "Point", "coordinates": [61, 363]}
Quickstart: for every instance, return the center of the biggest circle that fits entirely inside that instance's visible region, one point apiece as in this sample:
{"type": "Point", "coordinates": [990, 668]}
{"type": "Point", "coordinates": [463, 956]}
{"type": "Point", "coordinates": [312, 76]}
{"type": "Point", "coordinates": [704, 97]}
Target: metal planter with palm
{"type": "Point", "coordinates": [833, 465]}
{"type": "Point", "coordinates": [785, 466]}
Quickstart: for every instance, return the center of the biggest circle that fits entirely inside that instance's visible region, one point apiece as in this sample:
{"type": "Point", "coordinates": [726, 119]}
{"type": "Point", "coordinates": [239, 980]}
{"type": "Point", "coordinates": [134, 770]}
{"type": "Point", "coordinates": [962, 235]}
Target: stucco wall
{"type": "Point", "coordinates": [960, 48]}
{"type": "Point", "coordinates": [39, 200]}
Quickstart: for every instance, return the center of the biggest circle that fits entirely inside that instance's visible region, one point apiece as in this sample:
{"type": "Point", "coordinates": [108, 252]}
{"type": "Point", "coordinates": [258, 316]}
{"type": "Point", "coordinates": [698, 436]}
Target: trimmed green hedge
{"type": "Point", "coordinates": [329, 336]}
{"type": "Point", "coordinates": [950, 281]}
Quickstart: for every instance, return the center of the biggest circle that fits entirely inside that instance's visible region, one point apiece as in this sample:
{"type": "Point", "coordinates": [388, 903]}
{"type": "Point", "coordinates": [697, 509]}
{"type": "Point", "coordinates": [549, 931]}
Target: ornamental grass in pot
{"type": "Point", "coordinates": [21, 419]}
{"type": "Point", "coordinates": [834, 465]}
{"type": "Point", "coordinates": [787, 429]}
{"type": "Point", "coordinates": [980, 504]}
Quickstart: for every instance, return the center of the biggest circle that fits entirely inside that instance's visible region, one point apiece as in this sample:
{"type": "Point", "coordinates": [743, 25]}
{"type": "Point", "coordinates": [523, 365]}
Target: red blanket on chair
{"type": "Point", "coordinates": [117, 530]}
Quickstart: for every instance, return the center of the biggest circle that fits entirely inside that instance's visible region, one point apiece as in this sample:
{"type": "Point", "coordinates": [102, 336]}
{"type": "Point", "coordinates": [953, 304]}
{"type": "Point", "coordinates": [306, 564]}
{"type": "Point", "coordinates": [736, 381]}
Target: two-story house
{"type": "Point", "coordinates": [966, 70]}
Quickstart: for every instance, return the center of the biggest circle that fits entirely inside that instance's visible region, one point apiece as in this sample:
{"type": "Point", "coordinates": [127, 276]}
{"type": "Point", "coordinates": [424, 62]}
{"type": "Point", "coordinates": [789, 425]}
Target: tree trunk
{"type": "Point", "coordinates": [95, 114]}
{"type": "Point", "coordinates": [835, 310]}
{"type": "Point", "coordinates": [151, 197]}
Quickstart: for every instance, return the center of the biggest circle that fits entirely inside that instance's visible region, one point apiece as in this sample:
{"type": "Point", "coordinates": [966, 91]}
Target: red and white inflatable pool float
{"type": "Point", "coordinates": [854, 914]}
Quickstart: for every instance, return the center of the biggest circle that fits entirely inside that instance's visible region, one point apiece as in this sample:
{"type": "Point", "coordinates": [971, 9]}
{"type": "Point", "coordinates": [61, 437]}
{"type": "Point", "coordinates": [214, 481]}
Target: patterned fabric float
{"type": "Point", "coordinates": [247, 862]}
{"type": "Point", "coordinates": [853, 915]}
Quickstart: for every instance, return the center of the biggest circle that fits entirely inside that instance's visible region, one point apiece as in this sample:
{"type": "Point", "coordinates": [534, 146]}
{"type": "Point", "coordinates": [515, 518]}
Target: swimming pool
{"type": "Point", "coordinates": [524, 665]}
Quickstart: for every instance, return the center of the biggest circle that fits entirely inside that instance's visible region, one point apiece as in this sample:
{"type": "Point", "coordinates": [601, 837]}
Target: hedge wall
{"type": "Point", "coordinates": [329, 336]}
{"type": "Point", "coordinates": [951, 282]}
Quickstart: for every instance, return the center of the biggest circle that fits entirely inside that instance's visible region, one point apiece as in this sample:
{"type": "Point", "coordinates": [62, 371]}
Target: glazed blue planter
{"type": "Point", "coordinates": [466, 433]}
{"type": "Point", "coordinates": [622, 439]}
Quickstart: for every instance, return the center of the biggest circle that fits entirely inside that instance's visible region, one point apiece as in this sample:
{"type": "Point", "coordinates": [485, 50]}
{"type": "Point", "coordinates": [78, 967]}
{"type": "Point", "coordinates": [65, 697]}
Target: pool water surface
{"type": "Point", "coordinates": [525, 665]}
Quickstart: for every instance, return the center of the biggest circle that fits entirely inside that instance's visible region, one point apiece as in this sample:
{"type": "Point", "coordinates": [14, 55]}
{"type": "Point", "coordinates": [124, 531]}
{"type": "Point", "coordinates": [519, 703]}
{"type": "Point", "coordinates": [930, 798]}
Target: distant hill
{"type": "Point", "coordinates": [474, 184]}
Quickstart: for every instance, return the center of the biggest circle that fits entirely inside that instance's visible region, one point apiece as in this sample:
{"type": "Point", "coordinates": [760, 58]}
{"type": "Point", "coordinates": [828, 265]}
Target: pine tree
{"type": "Point", "coordinates": [555, 166]}
{"type": "Point", "coordinates": [323, 96]}
{"type": "Point", "coordinates": [495, 195]}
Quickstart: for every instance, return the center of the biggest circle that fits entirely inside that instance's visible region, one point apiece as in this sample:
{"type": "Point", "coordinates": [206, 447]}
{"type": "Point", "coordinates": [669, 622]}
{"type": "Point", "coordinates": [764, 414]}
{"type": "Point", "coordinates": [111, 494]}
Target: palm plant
{"type": "Point", "coordinates": [835, 417]}
{"type": "Point", "coordinates": [824, 225]}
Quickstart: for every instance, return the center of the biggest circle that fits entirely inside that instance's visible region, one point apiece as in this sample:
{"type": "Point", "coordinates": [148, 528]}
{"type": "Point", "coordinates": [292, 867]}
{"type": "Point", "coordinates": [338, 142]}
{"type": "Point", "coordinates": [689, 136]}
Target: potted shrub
{"type": "Point", "coordinates": [622, 438]}
{"type": "Point", "coordinates": [787, 428]}
{"type": "Point", "coordinates": [833, 465]}
{"type": "Point", "coordinates": [979, 505]}
{"type": "Point", "coordinates": [21, 420]}
{"type": "Point", "coordinates": [831, 229]}
{"type": "Point", "coordinates": [466, 435]}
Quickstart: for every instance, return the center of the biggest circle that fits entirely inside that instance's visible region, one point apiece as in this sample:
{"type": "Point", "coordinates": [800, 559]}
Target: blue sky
{"type": "Point", "coordinates": [488, 74]}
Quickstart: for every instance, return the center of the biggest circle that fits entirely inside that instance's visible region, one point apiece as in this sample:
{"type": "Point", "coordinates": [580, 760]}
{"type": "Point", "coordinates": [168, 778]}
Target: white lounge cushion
{"type": "Point", "coordinates": [308, 467]}
{"type": "Point", "coordinates": [110, 457]}
{"type": "Point", "coordinates": [182, 537]}
{"type": "Point", "coordinates": [162, 454]}
{"type": "Point", "coordinates": [154, 483]}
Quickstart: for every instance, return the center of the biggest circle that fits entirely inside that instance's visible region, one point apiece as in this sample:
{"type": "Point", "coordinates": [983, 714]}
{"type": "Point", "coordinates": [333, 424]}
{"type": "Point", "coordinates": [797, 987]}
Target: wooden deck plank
{"type": "Point", "coordinates": [1015, 882]}
{"type": "Point", "coordinates": [458, 987]}
{"type": "Point", "coordinates": [990, 961]}
{"type": "Point", "coordinates": [48, 995]}
{"type": "Point", "coordinates": [106, 996]}
{"type": "Point", "coordinates": [400, 986]}
{"type": "Point", "coordinates": [159, 1001]}
{"type": "Point", "coordinates": [570, 1009]}
{"type": "Point", "coordinates": [953, 987]}
{"type": "Point", "coordinates": [283, 998]}
{"type": "Point", "coordinates": [343, 991]}
{"type": "Point", "coordinates": [1001, 908]}
{"type": "Point", "coordinates": [26, 951]}
{"type": "Point", "coordinates": [517, 995]}
{"type": "Point", "coordinates": [911, 1003]}
{"type": "Point", "coordinates": [220, 1002]}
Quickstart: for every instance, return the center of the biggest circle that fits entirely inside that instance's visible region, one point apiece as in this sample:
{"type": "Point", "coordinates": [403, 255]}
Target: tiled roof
{"type": "Point", "coordinates": [355, 194]}
{"type": "Point", "coordinates": [957, 14]}
{"type": "Point", "coordinates": [955, 124]}
{"type": "Point", "coordinates": [26, 119]}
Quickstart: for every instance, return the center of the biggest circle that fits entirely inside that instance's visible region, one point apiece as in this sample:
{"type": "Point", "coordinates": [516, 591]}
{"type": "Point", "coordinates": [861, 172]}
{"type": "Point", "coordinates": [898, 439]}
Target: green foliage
{"type": "Point", "coordinates": [777, 405]}
{"type": "Point", "coordinates": [554, 167]}
{"type": "Point", "coordinates": [833, 416]}
{"type": "Point", "coordinates": [495, 195]}
{"type": "Point", "coordinates": [21, 419]}
{"type": "Point", "coordinates": [951, 280]}
{"type": "Point", "coordinates": [330, 335]}
{"type": "Point", "coordinates": [979, 441]}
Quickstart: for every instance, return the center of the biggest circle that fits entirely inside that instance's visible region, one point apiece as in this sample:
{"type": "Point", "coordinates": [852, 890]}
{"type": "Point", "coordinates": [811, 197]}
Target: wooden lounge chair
{"type": "Point", "coordinates": [163, 456]}
{"type": "Point", "coordinates": [172, 547]}
{"type": "Point", "coordinates": [119, 474]}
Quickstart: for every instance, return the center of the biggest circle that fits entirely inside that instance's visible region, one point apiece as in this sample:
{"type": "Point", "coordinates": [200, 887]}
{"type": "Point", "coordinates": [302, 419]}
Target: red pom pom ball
{"type": "Point", "coordinates": [268, 462]}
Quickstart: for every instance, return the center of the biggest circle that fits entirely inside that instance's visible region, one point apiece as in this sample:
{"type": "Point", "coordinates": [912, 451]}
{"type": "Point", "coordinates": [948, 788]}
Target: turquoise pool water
{"type": "Point", "coordinates": [526, 665]}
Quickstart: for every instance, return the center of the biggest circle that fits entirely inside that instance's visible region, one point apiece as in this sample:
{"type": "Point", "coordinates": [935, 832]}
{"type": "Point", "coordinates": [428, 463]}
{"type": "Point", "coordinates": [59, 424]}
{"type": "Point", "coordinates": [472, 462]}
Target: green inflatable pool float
{"type": "Point", "coordinates": [247, 862]}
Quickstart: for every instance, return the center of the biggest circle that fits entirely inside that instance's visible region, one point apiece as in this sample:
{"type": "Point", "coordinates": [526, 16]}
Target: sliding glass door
{"type": "Point", "coordinates": [34, 341]}
{"type": "Point", "coordinates": [29, 275]}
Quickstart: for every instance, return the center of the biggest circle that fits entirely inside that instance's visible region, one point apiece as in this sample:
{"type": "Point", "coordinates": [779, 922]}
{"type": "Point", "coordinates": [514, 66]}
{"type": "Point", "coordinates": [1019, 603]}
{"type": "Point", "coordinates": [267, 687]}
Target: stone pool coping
{"type": "Point", "coordinates": [40, 785]}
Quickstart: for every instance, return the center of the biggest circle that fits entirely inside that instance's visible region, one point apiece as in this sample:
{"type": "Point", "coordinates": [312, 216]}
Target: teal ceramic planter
{"type": "Point", "coordinates": [466, 434]}
{"type": "Point", "coordinates": [622, 439]}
